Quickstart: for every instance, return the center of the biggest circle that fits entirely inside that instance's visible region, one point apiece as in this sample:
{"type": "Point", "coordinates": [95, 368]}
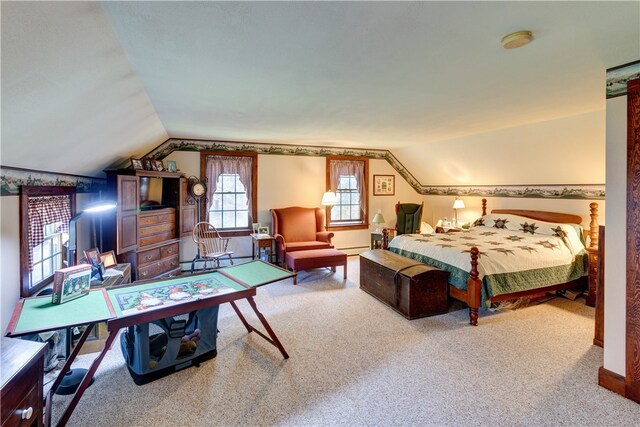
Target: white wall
{"type": "Point", "coordinates": [438, 207]}
{"type": "Point", "coordinates": [564, 151]}
{"type": "Point", "coordinates": [300, 181]}
{"type": "Point", "coordinates": [616, 237]}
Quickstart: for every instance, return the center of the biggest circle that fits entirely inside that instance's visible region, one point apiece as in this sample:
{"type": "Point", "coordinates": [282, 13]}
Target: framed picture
{"type": "Point", "coordinates": [93, 256]}
{"type": "Point", "coordinates": [171, 166]}
{"type": "Point", "coordinates": [148, 164]}
{"type": "Point", "coordinates": [256, 227]}
{"type": "Point", "coordinates": [108, 259]}
{"type": "Point", "coordinates": [263, 230]}
{"type": "Point", "coordinates": [159, 165]}
{"type": "Point", "coordinates": [137, 164]}
{"type": "Point", "coordinates": [384, 185]}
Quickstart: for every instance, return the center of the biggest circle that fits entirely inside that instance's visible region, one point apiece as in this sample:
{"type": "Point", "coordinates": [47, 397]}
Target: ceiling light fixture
{"type": "Point", "coordinates": [517, 39]}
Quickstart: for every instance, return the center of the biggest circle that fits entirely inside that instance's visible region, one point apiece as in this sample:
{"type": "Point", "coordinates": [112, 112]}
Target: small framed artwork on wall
{"type": "Point", "coordinates": [384, 185]}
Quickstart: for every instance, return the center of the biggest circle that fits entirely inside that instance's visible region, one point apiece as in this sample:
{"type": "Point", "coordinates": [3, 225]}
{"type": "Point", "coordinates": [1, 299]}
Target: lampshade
{"type": "Point", "coordinates": [329, 199]}
{"type": "Point", "coordinates": [458, 204]}
{"type": "Point", "coordinates": [378, 219]}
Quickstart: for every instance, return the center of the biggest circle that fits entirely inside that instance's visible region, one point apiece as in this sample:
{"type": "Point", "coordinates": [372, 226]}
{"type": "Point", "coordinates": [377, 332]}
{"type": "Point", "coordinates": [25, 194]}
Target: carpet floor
{"type": "Point", "coordinates": [353, 361]}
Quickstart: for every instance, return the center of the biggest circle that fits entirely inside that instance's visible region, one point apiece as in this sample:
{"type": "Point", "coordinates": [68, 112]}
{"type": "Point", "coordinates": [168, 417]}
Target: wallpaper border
{"type": "Point", "coordinates": [11, 178]}
{"type": "Point", "coordinates": [617, 78]}
{"type": "Point", "coordinates": [546, 191]}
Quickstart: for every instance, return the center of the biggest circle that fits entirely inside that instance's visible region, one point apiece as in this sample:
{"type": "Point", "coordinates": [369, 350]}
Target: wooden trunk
{"type": "Point", "coordinates": [409, 287]}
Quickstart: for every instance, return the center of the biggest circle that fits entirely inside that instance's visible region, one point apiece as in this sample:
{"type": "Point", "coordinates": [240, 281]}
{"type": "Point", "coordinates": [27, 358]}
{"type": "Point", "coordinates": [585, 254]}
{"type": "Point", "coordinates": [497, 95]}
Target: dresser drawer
{"type": "Point", "coordinates": [152, 218]}
{"type": "Point", "coordinates": [155, 229]}
{"type": "Point", "coordinates": [16, 390]}
{"type": "Point", "coordinates": [150, 271]}
{"type": "Point", "coordinates": [146, 257]}
{"type": "Point", "coordinates": [155, 238]}
{"type": "Point", "coordinates": [169, 250]}
{"type": "Point", "coordinates": [170, 263]}
{"type": "Point", "coordinates": [28, 407]}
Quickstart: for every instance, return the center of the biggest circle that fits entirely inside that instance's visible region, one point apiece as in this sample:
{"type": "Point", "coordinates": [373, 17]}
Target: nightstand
{"type": "Point", "coordinates": [448, 229]}
{"type": "Point", "coordinates": [259, 241]}
{"type": "Point", "coordinates": [376, 240]}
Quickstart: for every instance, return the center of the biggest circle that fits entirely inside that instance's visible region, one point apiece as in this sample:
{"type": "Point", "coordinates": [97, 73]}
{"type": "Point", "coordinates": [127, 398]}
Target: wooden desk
{"type": "Point", "coordinates": [21, 372]}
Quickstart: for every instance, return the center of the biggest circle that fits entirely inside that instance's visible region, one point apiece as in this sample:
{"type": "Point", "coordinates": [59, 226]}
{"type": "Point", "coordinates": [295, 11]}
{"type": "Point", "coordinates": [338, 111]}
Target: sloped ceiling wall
{"type": "Point", "coordinates": [70, 100]}
{"type": "Point", "coordinates": [86, 84]}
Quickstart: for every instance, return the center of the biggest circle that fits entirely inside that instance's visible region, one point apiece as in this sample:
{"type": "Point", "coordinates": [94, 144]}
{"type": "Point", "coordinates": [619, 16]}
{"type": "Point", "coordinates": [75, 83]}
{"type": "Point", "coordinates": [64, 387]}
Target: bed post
{"type": "Point", "coordinates": [593, 226]}
{"type": "Point", "coordinates": [484, 207]}
{"type": "Point", "coordinates": [474, 285]}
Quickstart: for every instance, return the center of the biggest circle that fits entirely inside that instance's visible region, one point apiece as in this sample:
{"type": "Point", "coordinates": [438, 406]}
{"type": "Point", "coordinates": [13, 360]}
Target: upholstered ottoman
{"type": "Point", "coordinates": [314, 258]}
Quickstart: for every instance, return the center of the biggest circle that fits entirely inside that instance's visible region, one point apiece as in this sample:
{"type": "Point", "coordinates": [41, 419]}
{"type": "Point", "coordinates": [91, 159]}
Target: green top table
{"type": "Point", "coordinates": [178, 294]}
{"type": "Point", "coordinates": [134, 304]}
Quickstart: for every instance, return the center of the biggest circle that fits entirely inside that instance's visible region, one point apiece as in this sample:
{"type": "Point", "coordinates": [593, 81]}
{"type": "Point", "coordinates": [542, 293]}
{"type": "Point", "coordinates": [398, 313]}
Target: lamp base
{"type": "Point", "coordinates": [71, 381]}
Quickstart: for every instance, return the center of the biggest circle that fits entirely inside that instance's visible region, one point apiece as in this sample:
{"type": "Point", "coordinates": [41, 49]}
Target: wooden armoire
{"type": "Point", "coordinates": [154, 211]}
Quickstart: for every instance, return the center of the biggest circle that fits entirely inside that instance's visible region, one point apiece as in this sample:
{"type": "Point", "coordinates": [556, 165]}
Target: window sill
{"type": "Point", "coordinates": [235, 233]}
{"type": "Point", "coordinates": [350, 226]}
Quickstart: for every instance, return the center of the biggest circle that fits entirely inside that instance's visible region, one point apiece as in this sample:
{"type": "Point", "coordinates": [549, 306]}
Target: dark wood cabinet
{"type": "Point", "coordinates": [21, 372]}
{"type": "Point", "coordinates": [154, 212]}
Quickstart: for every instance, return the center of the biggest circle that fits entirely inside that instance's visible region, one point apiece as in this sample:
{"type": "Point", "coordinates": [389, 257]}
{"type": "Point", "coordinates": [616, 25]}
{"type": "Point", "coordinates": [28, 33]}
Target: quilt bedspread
{"type": "Point", "coordinates": [515, 256]}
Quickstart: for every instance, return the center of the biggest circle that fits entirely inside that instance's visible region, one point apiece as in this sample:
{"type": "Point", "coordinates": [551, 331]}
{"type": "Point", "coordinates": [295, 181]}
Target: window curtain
{"type": "Point", "coordinates": [353, 168]}
{"type": "Point", "coordinates": [43, 211]}
{"type": "Point", "coordinates": [241, 165]}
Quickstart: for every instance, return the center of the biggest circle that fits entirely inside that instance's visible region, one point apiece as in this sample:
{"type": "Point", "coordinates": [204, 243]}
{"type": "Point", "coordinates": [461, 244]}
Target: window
{"type": "Point", "coordinates": [45, 213]}
{"type": "Point", "coordinates": [231, 190]}
{"type": "Point", "coordinates": [347, 176]}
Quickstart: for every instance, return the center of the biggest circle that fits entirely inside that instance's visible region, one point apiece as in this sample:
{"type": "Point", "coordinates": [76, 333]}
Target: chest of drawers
{"type": "Point", "coordinates": [21, 372]}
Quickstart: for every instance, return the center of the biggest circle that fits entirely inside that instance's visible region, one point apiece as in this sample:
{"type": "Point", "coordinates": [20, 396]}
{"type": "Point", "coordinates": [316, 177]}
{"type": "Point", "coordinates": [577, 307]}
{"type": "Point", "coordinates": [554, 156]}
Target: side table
{"type": "Point", "coordinates": [259, 241]}
{"type": "Point", "coordinates": [376, 240]}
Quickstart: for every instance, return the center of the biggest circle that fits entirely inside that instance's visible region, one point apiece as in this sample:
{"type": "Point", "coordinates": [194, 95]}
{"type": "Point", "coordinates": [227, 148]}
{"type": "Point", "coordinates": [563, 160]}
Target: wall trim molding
{"type": "Point", "coordinates": [546, 191]}
{"type": "Point", "coordinates": [612, 381]}
{"type": "Point", "coordinates": [617, 78]}
{"type": "Point", "coordinates": [12, 178]}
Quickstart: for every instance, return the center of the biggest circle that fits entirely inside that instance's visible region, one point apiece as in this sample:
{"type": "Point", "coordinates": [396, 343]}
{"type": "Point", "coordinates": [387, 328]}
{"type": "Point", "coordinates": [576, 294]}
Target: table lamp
{"type": "Point", "coordinates": [457, 204]}
{"type": "Point", "coordinates": [329, 198]}
{"type": "Point", "coordinates": [99, 206]}
{"type": "Point", "coordinates": [378, 219]}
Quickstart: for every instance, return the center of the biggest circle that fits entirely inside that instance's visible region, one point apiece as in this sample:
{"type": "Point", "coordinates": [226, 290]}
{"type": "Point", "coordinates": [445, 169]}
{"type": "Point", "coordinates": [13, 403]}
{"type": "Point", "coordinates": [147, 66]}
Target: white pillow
{"type": "Point", "coordinates": [425, 228]}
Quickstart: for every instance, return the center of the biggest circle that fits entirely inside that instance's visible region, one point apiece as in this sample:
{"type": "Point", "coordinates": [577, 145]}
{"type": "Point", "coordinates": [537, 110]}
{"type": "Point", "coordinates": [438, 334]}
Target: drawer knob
{"type": "Point", "coordinates": [149, 257]}
{"type": "Point", "coordinates": [170, 251]}
{"type": "Point", "coordinates": [26, 413]}
{"type": "Point", "coordinates": [143, 274]}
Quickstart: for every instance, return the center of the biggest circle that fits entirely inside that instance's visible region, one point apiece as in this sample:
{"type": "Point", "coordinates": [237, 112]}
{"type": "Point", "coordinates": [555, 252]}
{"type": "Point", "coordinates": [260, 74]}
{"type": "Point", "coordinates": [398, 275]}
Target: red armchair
{"type": "Point", "coordinates": [298, 229]}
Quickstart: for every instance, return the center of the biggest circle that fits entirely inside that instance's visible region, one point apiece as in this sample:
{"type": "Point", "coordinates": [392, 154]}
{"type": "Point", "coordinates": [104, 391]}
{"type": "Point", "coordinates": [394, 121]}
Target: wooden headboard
{"type": "Point", "coordinates": [558, 217]}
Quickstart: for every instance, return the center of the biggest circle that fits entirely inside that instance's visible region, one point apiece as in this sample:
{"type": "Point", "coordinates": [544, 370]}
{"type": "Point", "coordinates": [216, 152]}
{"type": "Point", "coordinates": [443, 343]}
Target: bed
{"type": "Point", "coordinates": [506, 254]}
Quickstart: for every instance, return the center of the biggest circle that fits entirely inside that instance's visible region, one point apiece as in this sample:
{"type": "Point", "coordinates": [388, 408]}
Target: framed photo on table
{"type": "Point", "coordinates": [256, 227]}
{"type": "Point", "coordinates": [263, 230]}
{"type": "Point", "coordinates": [93, 256]}
{"type": "Point", "coordinates": [108, 259]}
{"type": "Point", "coordinates": [384, 185]}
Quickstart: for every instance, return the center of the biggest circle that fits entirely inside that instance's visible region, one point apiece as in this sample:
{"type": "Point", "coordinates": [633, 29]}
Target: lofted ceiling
{"type": "Point", "coordinates": [104, 81]}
